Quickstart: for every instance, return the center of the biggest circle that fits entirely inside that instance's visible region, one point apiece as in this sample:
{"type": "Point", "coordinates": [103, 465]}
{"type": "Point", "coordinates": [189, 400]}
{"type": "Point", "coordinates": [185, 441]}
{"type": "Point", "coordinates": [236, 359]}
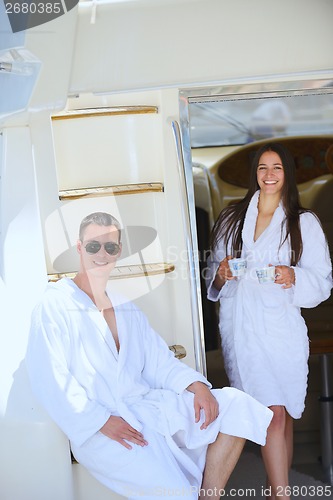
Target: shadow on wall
{"type": "Point", "coordinates": [35, 458]}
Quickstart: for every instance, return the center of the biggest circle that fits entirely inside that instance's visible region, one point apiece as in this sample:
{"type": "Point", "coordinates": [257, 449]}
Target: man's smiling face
{"type": "Point", "coordinates": [99, 249]}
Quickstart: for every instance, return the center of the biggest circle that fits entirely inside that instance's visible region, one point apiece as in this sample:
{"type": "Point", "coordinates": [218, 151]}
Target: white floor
{"type": "Point", "coordinates": [307, 440]}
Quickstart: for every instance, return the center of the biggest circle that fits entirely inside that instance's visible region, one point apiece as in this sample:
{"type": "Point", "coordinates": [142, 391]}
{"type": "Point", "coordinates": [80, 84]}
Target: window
{"type": "Point", "coordinates": [236, 122]}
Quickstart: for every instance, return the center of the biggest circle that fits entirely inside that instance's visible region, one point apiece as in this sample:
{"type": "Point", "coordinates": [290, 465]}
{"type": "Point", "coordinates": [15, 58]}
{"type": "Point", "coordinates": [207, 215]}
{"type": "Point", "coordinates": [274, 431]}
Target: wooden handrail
{"type": "Point", "coordinates": [123, 272]}
{"type": "Point", "coordinates": [119, 189]}
{"type": "Point", "coordinates": [109, 111]}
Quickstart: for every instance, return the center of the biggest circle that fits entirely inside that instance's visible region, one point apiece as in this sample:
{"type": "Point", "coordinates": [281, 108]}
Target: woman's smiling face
{"type": "Point", "coordinates": [270, 173]}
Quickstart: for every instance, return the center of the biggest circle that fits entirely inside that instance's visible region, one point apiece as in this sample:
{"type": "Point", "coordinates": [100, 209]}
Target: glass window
{"type": "Point", "coordinates": [225, 123]}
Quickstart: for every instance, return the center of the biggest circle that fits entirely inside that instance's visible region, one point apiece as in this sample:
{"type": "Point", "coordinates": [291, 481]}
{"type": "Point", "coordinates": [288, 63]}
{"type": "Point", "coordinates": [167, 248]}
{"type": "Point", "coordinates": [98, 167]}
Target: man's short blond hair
{"type": "Point", "coordinates": [100, 219]}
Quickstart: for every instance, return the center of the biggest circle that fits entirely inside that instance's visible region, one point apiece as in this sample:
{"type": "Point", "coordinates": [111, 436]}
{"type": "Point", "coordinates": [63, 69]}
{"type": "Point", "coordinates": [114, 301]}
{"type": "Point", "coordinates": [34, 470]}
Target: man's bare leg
{"type": "Point", "coordinates": [222, 456]}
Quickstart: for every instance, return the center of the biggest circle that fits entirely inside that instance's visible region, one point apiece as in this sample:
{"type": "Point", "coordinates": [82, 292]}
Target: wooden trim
{"type": "Point", "coordinates": [322, 343]}
{"type": "Point", "coordinates": [114, 111]}
{"type": "Point", "coordinates": [53, 278]}
{"type": "Point", "coordinates": [121, 189]}
{"type": "Point", "coordinates": [321, 336]}
{"type": "Point", "coordinates": [122, 272]}
{"type": "Point", "coordinates": [140, 270]}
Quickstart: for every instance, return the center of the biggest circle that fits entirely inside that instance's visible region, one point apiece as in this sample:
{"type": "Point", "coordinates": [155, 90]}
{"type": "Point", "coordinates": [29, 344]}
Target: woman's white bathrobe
{"type": "Point", "coordinates": [81, 379]}
{"type": "Point", "coordinates": [264, 337]}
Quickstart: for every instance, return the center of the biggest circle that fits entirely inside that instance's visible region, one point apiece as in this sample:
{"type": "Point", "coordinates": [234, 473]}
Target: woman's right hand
{"type": "Point", "coordinates": [223, 273]}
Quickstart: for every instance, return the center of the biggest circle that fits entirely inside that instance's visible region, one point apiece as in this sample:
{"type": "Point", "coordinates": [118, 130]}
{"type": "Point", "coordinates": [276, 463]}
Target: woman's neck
{"type": "Point", "coordinates": [268, 204]}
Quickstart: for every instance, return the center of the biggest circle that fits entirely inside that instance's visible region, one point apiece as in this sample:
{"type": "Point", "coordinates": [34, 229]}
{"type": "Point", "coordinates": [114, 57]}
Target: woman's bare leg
{"type": "Point", "coordinates": [289, 435]}
{"type": "Point", "coordinates": [277, 453]}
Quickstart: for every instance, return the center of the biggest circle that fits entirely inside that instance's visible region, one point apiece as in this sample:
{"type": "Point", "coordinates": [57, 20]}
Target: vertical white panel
{"type": "Point", "coordinates": [34, 455]}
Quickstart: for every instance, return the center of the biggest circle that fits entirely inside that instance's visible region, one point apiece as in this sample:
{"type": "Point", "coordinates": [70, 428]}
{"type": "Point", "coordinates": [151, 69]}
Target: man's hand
{"type": "Point", "coordinates": [118, 429]}
{"type": "Point", "coordinates": [204, 400]}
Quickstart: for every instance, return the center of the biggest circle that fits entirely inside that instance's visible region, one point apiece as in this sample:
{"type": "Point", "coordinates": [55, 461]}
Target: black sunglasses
{"type": "Point", "coordinates": [110, 247]}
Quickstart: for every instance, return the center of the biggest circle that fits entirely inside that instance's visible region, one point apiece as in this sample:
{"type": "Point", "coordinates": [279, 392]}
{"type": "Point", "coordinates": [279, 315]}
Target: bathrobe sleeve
{"type": "Point", "coordinates": [213, 262]}
{"type": "Point", "coordinates": [162, 370]}
{"type": "Point", "coordinates": [313, 274]}
{"type": "Point", "coordinates": [58, 391]}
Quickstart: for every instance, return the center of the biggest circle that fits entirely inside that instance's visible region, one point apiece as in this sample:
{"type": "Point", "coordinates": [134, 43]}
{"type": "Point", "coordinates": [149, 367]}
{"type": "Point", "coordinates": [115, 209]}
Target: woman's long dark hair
{"type": "Point", "coordinates": [230, 222]}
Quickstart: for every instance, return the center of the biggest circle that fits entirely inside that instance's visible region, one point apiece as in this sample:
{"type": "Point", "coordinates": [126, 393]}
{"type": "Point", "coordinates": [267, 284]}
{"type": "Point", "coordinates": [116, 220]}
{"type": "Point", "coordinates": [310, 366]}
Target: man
{"type": "Point", "coordinates": [142, 422]}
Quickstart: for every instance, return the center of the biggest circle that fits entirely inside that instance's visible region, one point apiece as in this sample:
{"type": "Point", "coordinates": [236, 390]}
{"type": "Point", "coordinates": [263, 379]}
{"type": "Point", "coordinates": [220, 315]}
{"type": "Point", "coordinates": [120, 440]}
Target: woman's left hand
{"type": "Point", "coordinates": [285, 276]}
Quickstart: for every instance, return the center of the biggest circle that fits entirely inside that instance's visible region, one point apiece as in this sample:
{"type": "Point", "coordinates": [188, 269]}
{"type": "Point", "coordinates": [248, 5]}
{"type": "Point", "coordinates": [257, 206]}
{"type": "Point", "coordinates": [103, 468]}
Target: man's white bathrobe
{"type": "Point", "coordinates": [264, 337]}
{"type": "Point", "coordinates": [81, 379]}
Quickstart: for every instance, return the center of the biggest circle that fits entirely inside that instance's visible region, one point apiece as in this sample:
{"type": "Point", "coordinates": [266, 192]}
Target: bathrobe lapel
{"type": "Point", "coordinates": [264, 250]}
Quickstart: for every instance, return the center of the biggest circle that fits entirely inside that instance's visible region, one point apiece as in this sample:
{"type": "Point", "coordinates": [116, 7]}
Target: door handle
{"type": "Point", "coordinates": [178, 350]}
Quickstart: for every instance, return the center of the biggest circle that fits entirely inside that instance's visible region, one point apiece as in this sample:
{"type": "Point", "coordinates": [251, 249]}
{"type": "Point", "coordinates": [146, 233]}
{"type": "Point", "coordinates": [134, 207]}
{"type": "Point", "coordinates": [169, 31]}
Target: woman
{"type": "Point", "coordinates": [264, 337]}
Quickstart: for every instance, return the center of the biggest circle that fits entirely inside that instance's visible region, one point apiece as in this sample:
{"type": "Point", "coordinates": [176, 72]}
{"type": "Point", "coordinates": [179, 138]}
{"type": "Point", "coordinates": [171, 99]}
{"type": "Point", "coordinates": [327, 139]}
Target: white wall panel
{"type": "Point", "coordinates": [153, 44]}
{"type": "Point", "coordinates": [108, 150]}
{"type": "Point", "coordinates": [27, 468]}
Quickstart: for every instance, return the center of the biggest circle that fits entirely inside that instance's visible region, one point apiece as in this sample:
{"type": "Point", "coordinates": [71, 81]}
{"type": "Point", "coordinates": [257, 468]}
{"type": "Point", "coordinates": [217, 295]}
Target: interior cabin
{"type": "Point", "coordinates": [221, 164]}
{"type": "Point", "coordinates": [125, 106]}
